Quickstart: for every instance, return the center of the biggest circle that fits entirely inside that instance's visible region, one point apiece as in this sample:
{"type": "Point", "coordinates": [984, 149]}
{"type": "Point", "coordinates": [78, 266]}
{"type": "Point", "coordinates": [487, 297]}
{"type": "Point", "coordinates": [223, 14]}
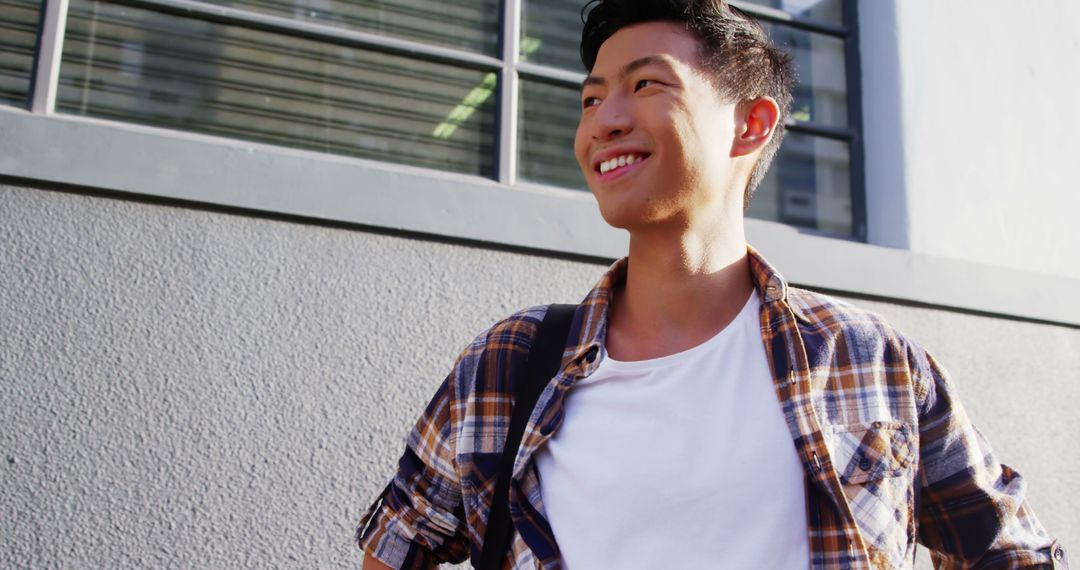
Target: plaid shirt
{"type": "Point", "coordinates": [890, 456]}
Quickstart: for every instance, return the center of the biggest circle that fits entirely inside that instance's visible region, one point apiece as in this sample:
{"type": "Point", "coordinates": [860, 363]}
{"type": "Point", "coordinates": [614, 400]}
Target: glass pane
{"type": "Point", "coordinates": [809, 185]}
{"type": "Point", "coordinates": [18, 34]}
{"type": "Point", "coordinates": [821, 92]}
{"type": "Point", "coordinates": [551, 33]}
{"type": "Point", "coordinates": [136, 65]}
{"type": "Point", "coordinates": [831, 11]}
{"type": "Point", "coordinates": [466, 24]}
{"type": "Point", "coordinates": [547, 119]}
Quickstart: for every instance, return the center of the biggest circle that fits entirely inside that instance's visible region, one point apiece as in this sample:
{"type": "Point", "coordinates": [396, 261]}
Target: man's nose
{"type": "Point", "coordinates": [612, 120]}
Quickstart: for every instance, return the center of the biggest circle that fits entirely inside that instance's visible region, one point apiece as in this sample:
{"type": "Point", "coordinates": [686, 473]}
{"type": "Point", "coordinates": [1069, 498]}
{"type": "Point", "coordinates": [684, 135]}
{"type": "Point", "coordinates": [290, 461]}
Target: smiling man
{"type": "Point", "coordinates": [705, 414]}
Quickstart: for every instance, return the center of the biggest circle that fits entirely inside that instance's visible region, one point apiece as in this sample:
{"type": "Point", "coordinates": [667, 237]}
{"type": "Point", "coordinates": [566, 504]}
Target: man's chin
{"type": "Point", "coordinates": [616, 219]}
{"type": "Point", "coordinates": [627, 219]}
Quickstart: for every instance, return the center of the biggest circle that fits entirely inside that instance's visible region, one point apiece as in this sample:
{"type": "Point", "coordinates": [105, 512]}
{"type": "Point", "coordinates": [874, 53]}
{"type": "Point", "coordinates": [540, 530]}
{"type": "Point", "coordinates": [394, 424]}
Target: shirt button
{"type": "Point", "coordinates": [864, 464]}
{"type": "Point", "coordinates": [1059, 554]}
{"type": "Point", "coordinates": [590, 356]}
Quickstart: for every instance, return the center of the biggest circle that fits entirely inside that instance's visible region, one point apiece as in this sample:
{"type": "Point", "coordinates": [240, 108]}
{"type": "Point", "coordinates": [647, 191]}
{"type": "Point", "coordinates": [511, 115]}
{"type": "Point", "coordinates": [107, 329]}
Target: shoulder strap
{"type": "Point", "coordinates": [541, 365]}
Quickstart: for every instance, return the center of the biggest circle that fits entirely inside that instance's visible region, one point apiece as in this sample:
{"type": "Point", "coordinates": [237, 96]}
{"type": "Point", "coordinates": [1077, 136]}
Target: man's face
{"type": "Point", "coordinates": [655, 137]}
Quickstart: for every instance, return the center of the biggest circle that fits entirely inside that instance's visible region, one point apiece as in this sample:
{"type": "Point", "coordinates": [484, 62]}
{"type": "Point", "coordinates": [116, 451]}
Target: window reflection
{"type": "Point", "coordinates": [821, 92]}
{"type": "Point", "coordinates": [548, 120]}
{"type": "Point", "coordinates": [466, 24]}
{"type": "Point", "coordinates": [18, 32]}
{"type": "Point", "coordinates": [551, 33]}
{"type": "Point", "coordinates": [138, 65]}
{"type": "Point", "coordinates": [809, 185]}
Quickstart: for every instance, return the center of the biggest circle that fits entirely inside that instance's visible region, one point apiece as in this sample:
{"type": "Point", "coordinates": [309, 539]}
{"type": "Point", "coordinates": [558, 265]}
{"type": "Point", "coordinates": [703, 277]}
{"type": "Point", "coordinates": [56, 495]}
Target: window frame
{"type": "Point", "coordinates": [509, 67]}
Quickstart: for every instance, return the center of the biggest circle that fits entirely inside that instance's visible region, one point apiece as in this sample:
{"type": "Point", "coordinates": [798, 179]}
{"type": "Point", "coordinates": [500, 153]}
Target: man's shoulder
{"type": "Point", "coordinates": [830, 316]}
{"type": "Point", "coordinates": [839, 336]}
{"type": "Point", "coordinates": [497, 351]}
{"type": "Point", "coordinates": [514, 332]}
{"type": "Point", "coordinates": [825, 311]}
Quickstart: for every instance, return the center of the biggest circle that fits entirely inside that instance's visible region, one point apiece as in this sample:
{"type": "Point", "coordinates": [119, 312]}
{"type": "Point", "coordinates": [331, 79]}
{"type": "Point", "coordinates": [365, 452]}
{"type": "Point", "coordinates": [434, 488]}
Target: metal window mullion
{"type": "Point", "coordinates": [509, 88]}
{"type": "Point", "coordinates": [50, 47]}
{"type": "Point", "coordinates": [550, 74]}
{"type": "Point", "coordinates": [853, 69]}
{"type": "Point", "coordinates": [315, 31]}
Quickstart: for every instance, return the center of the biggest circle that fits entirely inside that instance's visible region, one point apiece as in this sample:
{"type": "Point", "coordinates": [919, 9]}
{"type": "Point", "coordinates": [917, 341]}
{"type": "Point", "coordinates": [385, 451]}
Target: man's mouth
{"type": "Point", "coordinates": [617, 164]}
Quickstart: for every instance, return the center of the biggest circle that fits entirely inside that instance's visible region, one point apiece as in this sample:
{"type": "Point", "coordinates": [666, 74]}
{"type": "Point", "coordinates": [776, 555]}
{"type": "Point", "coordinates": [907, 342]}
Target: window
{"type": "Point", "coordinates": [482, 87]}
{"type": "Point", "coordinates": [156, 68]}
{"type": "Point", "coordinates": [18, 29]}
{"type": "Point", "coordinates": [814, 182]}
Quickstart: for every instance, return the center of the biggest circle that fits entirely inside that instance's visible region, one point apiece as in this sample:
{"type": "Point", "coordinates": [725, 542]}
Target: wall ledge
{"type": "Point", "coordinates": [136, 159]}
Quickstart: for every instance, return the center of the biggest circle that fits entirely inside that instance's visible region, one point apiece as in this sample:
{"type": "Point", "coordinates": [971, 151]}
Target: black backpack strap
{"type": "Point", "coordinates": [541, 365]}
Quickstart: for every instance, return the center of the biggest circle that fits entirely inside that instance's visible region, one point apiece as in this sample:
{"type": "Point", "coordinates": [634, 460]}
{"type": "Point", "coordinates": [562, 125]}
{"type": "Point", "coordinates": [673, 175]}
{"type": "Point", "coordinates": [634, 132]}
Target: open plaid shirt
{"type": "Point", "coordinates": [890, 456]}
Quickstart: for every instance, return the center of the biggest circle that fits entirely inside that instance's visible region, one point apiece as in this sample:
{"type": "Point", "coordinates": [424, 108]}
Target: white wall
{"type": "Point", "coordinates": [194, 389]}
{"type": "Point", "coordinates": [983, 132]}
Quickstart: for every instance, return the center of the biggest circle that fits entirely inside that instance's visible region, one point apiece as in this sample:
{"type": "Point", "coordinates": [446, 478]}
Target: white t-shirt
{"type": "Point", "coordinates": [683, 461]}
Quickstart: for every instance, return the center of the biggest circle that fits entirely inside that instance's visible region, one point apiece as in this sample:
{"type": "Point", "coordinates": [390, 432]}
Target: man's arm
{"type": "Point", "coordinates": [972, 510]}
{"type": "Point", "coordinates": [418, 522]}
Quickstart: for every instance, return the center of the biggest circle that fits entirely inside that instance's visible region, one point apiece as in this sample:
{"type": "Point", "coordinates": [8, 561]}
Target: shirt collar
{"type": "Point", "coordinates": [590, 322]}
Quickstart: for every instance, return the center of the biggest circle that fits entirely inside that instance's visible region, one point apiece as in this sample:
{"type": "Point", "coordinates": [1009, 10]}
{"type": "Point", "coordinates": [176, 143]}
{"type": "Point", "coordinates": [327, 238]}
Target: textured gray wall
{"type": "Point", "coordinates": [185, 388]}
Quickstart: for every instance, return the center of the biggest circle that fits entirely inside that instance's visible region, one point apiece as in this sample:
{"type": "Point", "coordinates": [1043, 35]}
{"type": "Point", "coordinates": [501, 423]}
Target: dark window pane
{"type": "Point", "coordinates": [137, 65]}
{"type": "Point", "coordinates": [466, 24]}
{"type": "Point", "coordinates": [809, 185]}
{"type": "Point", "coordinates": [821, 92]}
{"type": "Point", "coordinates": [551, 33]}
{"type": "Point", "coordinates": [831, 11]}
{"type": "Point", "coordinates": [548, 117]}
{"type": "Point", "coordinates": [18, 32]}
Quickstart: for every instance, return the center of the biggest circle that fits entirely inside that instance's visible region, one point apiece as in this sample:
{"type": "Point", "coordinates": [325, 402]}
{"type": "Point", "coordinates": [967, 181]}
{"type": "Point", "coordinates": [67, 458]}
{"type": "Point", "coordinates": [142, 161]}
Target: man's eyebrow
{"type": "Point", "coordinates": [628, 69]}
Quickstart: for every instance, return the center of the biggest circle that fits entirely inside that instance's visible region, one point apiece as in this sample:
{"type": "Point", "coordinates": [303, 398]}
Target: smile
{"type": "Point", "coordinates": [619, 162]}
{"type": "Point", "coordinates": [618, 165]}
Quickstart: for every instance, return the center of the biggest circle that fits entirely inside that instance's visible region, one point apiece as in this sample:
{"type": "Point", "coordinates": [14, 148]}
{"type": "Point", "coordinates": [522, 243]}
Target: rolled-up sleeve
{"type": "Point", "coordinates": [972, 509]}
{"type": "Point", "coordinates": [418, 520]}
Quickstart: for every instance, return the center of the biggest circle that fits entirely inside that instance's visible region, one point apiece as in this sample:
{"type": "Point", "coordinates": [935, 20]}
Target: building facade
{"type": "Point", "coordinates": [242, 241]}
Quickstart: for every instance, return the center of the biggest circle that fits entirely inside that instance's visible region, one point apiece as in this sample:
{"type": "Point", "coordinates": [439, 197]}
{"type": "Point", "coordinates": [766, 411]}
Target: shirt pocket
{"type": "Point", "coordinates": [875, 462]}
{"type": "Point", "coordinates": [868, 452]}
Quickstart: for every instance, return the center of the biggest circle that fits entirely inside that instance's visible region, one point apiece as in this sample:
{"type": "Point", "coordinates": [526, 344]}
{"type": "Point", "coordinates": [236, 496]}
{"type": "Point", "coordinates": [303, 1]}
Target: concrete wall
{"type": "Point", "coordinates": [971, 129]}
{"type": "Point", "coordinates": [186, 388]}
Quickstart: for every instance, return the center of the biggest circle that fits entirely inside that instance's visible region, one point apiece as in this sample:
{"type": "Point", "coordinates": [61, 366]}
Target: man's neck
{"type": "Point", "coordinates": [679, 292]}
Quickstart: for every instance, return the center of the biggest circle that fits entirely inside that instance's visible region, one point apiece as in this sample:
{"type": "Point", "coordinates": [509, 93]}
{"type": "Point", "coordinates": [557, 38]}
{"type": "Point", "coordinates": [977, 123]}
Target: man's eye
{"type": "Point", "coordinates": [643, 83]}
{"type": "Point", "coordinates": [590, 102]}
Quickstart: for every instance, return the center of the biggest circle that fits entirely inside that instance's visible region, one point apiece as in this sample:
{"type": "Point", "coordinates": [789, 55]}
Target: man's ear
{"type": "Point", "coordinates": [757, 121]}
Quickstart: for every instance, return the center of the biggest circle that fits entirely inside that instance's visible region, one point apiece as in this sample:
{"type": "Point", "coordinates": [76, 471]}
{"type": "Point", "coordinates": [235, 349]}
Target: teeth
{"type": "Point", "coordinates": [619, 161]}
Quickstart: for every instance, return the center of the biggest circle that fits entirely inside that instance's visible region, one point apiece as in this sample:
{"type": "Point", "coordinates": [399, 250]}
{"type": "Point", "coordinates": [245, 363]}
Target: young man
{"type": "Point", "coordinates": [706, 414]}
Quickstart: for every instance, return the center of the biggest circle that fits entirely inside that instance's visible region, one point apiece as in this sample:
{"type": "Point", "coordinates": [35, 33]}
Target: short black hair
{"type": "Point", "coordinates": [744, 63]}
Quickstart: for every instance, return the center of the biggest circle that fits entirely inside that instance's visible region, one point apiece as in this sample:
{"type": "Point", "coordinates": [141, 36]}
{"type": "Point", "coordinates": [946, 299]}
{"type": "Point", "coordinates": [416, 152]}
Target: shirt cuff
{"type": "Point", "coordinates": [377, 538]}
